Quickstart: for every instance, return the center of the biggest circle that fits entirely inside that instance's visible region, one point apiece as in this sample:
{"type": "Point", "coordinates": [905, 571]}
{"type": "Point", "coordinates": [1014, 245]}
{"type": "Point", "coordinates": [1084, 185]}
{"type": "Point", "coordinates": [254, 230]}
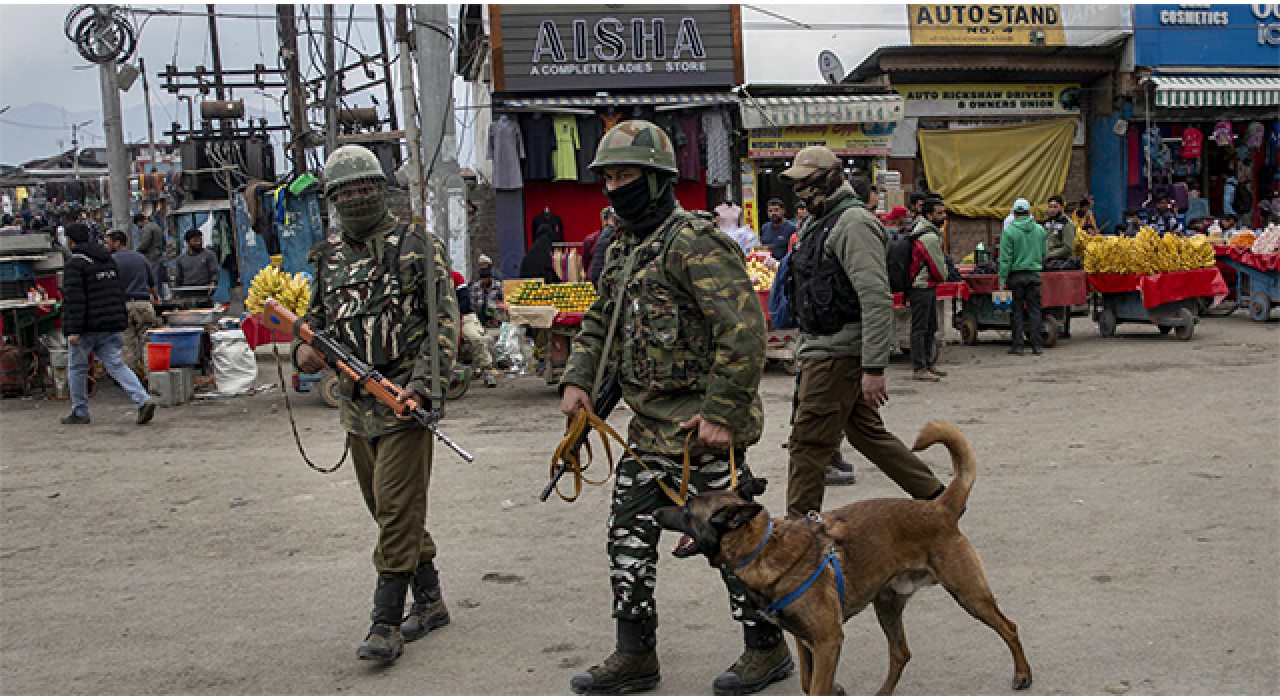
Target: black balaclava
{"type": "Point", "coordinates": [645, 202]}
{"type": "Point", "coordinates": [365, 220]}
{"type": "Point", "coordinates": [815, 189]}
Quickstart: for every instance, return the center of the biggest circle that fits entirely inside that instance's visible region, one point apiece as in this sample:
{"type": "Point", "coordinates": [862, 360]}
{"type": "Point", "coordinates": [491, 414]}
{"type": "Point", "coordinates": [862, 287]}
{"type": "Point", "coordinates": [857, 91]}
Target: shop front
{"type": "Point", "coordinates": [563, 75]}
{"type": "Point", "coordinates": [1206, 97]}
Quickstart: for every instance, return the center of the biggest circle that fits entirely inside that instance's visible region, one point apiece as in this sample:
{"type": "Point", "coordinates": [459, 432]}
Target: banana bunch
{"type": "Point", "coordinates": [1147, 253]}
{"type": "Point", "coordinates": [293, 291]}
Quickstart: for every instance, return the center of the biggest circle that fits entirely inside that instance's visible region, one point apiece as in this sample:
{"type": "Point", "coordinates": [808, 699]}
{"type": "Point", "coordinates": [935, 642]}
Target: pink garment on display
{"type": "Point", "coordinates": [1222, 134]}
{"type": "Point", "coordinates": [1192, 143]}
{"type": "Point", "coordinates": [1255, 135]}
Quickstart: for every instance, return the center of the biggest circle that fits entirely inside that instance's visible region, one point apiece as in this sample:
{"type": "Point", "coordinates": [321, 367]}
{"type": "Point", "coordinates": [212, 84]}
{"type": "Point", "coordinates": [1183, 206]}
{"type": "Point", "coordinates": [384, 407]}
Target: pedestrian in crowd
{"type": "Point", "coordinates": [777, 231]}
{"type": "Point", "coordinates": [140, 295]}
{"type": "Point", "coordinates": [675, 291]}
{"type": "Point", "coordinates": [94, 318]}
{"type": "Point", "coordinates": [589, 245]}
{"type": "Point", "coordinates": [386, 326]}
{"type": "Point", "coordinates": [929, 269]}
{"type": "Point", "coordinates": [486, 293]}
{"type": "Point", "coordinates": [473, 331]}
{"type": "Point", "coordinates": [1165, 218]}
{"type": "Point", "coordinates": [150, 243]}
{"type": "Point", "coordinates": [845, 337]}
{"type": "Point", "coordinates": [1060, 229]}
{"type": "Point", "coordinates": [1229, 224]}
{"type": "Point", "coordinates": [915, 203]}
{"type": "Point", "coordinates": [802, 220]}
{"type": "Point", "coordinates": [1022, 251]}
{"type": "Point", "coordinates": [1133, 222]}
{"type": "Point", "coordinates": [1082, 217]}
{"type": "Point", "coordinates": [1229, 196]}
{"type": "Point", "coordinates": [196, 267]}
{"type": "Point", "coordinates": [607, 230]}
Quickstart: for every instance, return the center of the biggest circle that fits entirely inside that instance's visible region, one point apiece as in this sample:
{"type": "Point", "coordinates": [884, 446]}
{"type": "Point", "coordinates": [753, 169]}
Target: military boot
{"type": "Point", "coordinates": [631, 668]}
{"type": "Point", "coordinates": [428, 611]}
{"type": "Point", "coordinates": [764, 660]}
{"type": "Point", "coordinates": [385, 642]}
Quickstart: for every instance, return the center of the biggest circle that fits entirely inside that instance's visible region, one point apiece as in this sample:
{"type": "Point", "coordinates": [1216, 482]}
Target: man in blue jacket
{"type": "Point", "coordinates": [776, 232]}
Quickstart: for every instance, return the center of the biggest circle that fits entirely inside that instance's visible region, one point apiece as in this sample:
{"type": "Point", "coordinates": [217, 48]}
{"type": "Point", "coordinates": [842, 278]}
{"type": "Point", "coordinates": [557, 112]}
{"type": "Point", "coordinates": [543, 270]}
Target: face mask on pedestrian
{"type": "Point", "coordinates": [813, 190]}
{"type": "Point", "coordinates": [631, 201]}
{"type": "Point", "coordinates": [361, 206]}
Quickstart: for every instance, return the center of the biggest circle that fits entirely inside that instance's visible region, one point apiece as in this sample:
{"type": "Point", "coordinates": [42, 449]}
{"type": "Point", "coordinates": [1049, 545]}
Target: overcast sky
{"type": "Point", "coordinates": [39, 66]}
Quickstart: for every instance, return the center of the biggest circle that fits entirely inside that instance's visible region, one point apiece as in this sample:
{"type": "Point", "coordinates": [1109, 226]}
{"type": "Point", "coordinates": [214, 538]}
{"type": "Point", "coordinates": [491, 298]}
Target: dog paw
{"type": "Point", "coordinates": [1021, 681]}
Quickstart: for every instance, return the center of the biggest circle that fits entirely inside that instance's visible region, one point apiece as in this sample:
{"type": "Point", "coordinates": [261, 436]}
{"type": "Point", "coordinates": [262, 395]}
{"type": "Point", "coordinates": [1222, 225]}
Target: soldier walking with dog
{"type": "Point", "coordinates": [679, 324]}
{"type": "Point", "coordinates": [838, 288]}
{"type": "Point", "coordinates": [371, 292]}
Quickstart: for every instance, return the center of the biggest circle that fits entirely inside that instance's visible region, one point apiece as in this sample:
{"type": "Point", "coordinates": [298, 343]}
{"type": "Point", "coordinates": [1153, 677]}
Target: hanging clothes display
{"type": "Point", "coordinates": [1192, 143]}
{"type": "Point", "coordinates": [506, 150]}
{"type": "Point", "coordinates": [719, 162]}
{"type": "Point", "coordinates": [565, 159]}
{"type": "Point", "coordinates": [610, 119]}
{"type": "Point", "coordinates": [1222, 134]}
{"type": "Point", "coordinates": [1255, 135]}
{"type": "Point", "coordinates": [539, 146]}
{"type": "Point", "coordinates": [688, 156]}
{"type": "Point", "coordinates": [590, 131]}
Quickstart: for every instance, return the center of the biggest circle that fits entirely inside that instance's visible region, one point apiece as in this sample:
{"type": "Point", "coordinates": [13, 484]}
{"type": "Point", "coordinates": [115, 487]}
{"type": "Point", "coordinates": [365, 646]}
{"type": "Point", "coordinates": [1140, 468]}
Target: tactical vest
{"type": "Point", "coordinates": [371, 309]}
{"type": "Point", "coordinates": [821, 296]}
{"type": "Point", "coordinates": [667, 345]}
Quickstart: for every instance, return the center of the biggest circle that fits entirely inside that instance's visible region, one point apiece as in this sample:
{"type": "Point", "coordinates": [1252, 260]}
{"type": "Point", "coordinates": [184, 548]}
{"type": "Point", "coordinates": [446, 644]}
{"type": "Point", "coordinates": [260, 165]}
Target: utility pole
{"type": "Point", "coordinates": [117, 157]}
{"type": "Point", "coordinates": [330, 85]}
{"type": "Point", "coordinates": [410, 123]}
{"type": "Point", "coordinates": [386, 65]}
{"type": "Point", "coordinates": [439, 152]}
{"type": "Point", "coordinates": [287, 26]}
{"type": "Point", "coordinates": [217, 55]}
{"type": "Point", "coordinates": [146, 98]}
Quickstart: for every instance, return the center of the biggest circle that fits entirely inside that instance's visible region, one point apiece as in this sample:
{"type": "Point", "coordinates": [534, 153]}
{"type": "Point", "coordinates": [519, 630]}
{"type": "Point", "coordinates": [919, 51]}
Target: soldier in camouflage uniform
{"type": "Point", "coordinates": [370, 291]}
{"type": "Point", "coordinates": [688, 347]}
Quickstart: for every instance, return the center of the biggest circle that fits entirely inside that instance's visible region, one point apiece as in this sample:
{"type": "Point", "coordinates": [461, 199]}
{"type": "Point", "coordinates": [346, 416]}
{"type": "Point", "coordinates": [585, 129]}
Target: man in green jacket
{"type": "Point", "coordinates": [931, 270]}
{"type": "Point", "coordinates": [1059, 229]}
{"type": "Point", "coordinates": [1022, 250]}
{"type": "Point", "coordinates": [843, 349]}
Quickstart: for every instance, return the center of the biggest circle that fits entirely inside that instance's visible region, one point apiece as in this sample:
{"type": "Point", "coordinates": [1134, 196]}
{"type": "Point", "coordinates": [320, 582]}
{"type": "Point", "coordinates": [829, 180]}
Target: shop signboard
{"type": "Point", "coordinates": [563, 48]}
{"type": "Point", "coordinates": [991, 99]}
{"type": "Point", "coordinates": [986, 25]}
{"type": "Point", "coordinates": [750, 204]}
{"type": "Point", "coordinates": [1207, 35]}
{"type": "Point", "coordinates": [842, 139]}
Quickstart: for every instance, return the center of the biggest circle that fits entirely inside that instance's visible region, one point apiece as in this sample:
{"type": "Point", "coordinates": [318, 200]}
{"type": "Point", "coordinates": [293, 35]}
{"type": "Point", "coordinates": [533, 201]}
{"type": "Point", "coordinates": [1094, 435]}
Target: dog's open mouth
{"type": "Point", "coordinates": [685, 547]}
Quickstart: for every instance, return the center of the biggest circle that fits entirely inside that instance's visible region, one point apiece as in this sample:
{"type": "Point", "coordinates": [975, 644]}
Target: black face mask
{"type": "Point", "coordinates": [631, 200]}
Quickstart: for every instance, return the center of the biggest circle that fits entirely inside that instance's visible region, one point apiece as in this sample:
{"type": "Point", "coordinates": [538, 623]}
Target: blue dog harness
{"type": "Point", "coordinates": [829, 560]}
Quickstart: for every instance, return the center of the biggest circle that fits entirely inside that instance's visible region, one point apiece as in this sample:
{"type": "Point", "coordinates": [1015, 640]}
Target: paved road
{"type": "Point", "coordinates": [1125, 509]}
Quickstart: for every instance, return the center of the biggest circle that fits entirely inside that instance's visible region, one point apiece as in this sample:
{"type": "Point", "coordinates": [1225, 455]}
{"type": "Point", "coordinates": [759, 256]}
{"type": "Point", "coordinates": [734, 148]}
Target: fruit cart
{"type": "Point", "coordinates": [1059, 291]}
{"type": "Point", "coordinates": [1168, 300]}
{"type": "Point", "coordinates": [780, 343]}
{"type": "Point", "coordinates": [1253, 278]}
{"type": "Point", "coordinates": [554, 313]}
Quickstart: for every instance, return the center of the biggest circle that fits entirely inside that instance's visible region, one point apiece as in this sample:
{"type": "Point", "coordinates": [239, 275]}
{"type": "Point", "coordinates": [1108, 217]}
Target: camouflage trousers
{"type": "Point", "coordinates": [634, 534]}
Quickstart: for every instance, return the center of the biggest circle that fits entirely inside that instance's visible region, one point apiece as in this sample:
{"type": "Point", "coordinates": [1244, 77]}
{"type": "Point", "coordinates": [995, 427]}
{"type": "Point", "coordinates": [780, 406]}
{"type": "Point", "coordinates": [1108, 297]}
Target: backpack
{"type": "Point", "coordinates": [779, 306]}
{"type": "Point", "coordinates": [1242, 202]}
{"type": "Point", "coordinates": [898, 261]}
{"type": "Point", "coordinates": [821, 297]}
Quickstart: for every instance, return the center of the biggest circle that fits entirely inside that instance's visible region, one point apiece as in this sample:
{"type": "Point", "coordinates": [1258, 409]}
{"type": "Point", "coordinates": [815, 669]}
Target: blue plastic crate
{"type": "Point", "coordinates": [185, 341]}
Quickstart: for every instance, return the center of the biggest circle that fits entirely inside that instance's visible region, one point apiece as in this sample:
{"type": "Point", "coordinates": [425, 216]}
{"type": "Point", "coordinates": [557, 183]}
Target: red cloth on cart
{"type": "Point", "coordinates": [982, 284]}
{"type": "Point", "coordinates": [568, 318]}
{"type": "Point", "coordinates": [1262, 261]}
{"type": "Point", "coordinates": [1063, 288]}
{"type": "Point", "coordinates": [946, 290]}
{"type": "Point", "coordinates": [1164, 287]}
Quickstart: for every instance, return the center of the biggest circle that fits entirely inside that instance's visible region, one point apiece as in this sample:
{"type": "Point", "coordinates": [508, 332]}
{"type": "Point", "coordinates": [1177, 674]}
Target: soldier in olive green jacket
{"type": "Point", "coordinates": [679, 323]}
{"type": "Point", "coordinates": [371, 292]}
{"type": "Point", "coordinates": [842, 382]}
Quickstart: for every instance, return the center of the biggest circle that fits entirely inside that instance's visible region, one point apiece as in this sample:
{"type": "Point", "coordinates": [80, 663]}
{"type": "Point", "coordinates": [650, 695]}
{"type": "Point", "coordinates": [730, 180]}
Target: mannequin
{"type": "Point", "coordinates": [548, 219]}
{"type": "Point", "coordinates": [729, 215]}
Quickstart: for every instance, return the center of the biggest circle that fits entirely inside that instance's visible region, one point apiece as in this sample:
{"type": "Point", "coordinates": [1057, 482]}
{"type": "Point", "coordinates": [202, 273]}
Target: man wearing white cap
{"type": "Point", "coordinates": [1022, 249]}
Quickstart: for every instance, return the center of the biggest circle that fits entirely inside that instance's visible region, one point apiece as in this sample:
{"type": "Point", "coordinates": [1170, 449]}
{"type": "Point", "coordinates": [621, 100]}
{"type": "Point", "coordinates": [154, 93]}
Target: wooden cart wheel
{"type": "Point", "coordinates": [1107, 323]}
{"type": "Point", "coordinates": [792, 363]}
{"type": "Point", "coordinates": [329, 391]}
{"type": "Point", "coordinates": [1049, 332]}
{"type": "Point", "coordinates": [1164, 330]}
{"type": "Point", "coordinates": [1260, 307]}
{"type": "Point", "coordinates": [969, 330]}
{"type": "Point", "coordinates": [1186, 325]}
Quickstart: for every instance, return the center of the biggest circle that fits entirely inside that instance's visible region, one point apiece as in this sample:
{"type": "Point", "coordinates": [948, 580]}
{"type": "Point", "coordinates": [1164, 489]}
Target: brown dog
{"type": "Point", "coordinates": [883, 551]}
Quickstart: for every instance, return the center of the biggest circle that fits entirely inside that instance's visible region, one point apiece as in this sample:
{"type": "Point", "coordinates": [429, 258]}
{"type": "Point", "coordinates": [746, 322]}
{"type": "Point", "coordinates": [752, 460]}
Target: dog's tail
{"type": "Point", "coordinates": [962, 459]}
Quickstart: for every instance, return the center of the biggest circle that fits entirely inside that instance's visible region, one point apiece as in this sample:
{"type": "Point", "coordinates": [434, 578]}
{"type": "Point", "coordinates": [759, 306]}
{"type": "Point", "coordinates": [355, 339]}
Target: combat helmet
{"type": "Point", "coordinates": [351, 163]}
{"type": "Point", "coordinates": [639, 143]}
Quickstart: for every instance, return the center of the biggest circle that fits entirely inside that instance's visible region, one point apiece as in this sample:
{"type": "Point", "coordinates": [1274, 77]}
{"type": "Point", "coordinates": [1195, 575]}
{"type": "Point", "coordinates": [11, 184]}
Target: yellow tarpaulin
{"type": "Point", "coordinates": [980, 172]}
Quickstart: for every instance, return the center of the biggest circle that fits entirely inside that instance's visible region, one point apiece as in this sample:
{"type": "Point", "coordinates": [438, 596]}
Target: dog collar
{"type": "Point", "coordinates": [830, 560]}
{"type": "Point", "coordinates": [760, 548]}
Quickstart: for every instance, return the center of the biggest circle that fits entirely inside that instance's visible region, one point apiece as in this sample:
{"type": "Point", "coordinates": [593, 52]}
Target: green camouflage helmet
{"type": "Point", "coordinates": [636, 142]}
{"type": "Point", "coordinates": [349, 164]}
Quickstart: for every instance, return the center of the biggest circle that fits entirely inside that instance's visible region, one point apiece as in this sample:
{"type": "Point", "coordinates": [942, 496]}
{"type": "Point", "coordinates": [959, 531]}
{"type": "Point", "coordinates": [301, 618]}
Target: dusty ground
{"type": "Point", "coordinates": [1125, 509]}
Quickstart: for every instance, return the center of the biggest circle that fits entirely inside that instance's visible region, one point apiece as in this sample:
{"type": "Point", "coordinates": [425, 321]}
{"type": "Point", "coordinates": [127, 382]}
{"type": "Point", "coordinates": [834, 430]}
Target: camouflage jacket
{"type": "Point", "coordinates": [381, 315]}
{"type": "Point", "coordinates": [690, 337]}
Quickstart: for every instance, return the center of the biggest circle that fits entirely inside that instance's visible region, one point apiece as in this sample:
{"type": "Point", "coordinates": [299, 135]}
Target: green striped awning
{"type": "Point", "coordinates": [1216, 91]}
{"type": "Point", "coordinates": [690, 99]}
{"type": "Point", "coordinates": [764, 112]}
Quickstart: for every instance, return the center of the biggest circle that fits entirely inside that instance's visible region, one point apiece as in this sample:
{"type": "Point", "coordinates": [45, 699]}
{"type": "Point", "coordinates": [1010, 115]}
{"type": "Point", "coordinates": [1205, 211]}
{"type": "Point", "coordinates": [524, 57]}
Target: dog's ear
{"type": "Point", "coordinates": [752, 487]}
{"type": "Point", "coordinates": [735, 515]}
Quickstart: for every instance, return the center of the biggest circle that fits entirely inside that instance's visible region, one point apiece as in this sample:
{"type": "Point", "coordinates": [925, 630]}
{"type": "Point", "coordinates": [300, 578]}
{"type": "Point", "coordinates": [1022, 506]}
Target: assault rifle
{"type": "Point", "coordinates": [608, 398]}
{"type": "Point", "coordinates": [276, 317]}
